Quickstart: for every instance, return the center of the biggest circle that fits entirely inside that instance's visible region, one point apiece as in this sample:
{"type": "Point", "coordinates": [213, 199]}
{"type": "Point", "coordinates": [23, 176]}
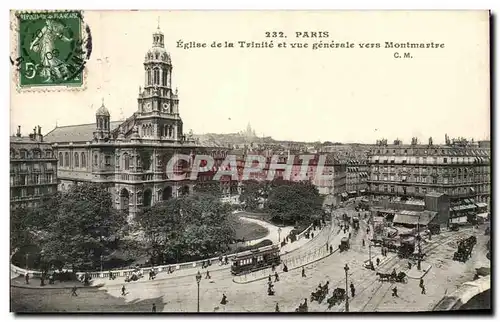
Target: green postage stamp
{"type": "Point", "coordinates": [53, 48]}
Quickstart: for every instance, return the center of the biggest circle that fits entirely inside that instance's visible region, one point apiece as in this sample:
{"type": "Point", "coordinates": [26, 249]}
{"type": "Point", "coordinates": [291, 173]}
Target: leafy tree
{"type": "Point", "coordinates": [251, 192]}
{"type": "Point", "coordinates": [83, 227]}
{"type": "Point", "coordinates": [210, 187]}
{"type": "Point", "coordinates": [295, 202]}
{"type": "Point", "coordinates": [193, 226]}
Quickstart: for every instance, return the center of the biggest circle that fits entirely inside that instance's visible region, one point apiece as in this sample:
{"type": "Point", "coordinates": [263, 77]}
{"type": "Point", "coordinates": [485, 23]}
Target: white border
{"type": "Point", "coordinates": [199, 5]}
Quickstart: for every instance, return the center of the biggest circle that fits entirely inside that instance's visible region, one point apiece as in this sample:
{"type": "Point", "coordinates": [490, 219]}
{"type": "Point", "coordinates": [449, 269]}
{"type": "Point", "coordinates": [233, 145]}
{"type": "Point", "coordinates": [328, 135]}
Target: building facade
{"type": "Point", "coordinates": [357, 174]}
{"type": "Point", "coordinates": [33, 169]}
{"type": "Point", "coordinates": [130, 157]}
{"type": "Point", "coordinates": [459, 169]}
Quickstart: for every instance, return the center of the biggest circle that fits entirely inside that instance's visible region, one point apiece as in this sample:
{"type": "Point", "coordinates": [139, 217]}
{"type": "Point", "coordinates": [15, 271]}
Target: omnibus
{"type": "Point", "coordinates": [256, 259]}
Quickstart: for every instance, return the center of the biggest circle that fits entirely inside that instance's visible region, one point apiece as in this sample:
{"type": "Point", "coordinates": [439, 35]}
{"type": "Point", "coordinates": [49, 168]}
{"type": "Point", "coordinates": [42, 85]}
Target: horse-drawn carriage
{"type": "Point", "coordinates": [344, 244]}
{"type": "Point", "coordinates": [406, 248]}
{"type": "Point", "coordinates": [393, 277]}
{"type": "Point", "coordinates": [320, 294]}
{"type": "Point", "coordinates": [337, 297]}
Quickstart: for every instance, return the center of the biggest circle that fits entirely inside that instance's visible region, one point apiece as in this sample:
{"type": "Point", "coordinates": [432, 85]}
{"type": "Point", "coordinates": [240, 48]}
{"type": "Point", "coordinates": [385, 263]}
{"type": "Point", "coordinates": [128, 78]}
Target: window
{"type": "Point", "coordinates": [66, 159]}
{"type": "Point", "coordinates": [424, 190]}
{"type": "Point", "coordinates": [36, 154]}
{"type": "Point", "coordinates": [392, 189]}
{"type": "Point", "coordinates": [37, 191]}
{"type": "Point", "coordinates": [24, 154]}
{"type": "Point", "coordinates": [50, 178]}
{"type": "Point", "coordinates": [417, 189]}
{"type": "Point", "coordinates": [108, 160]}
{"type": "Point", "coordinates": [126, 161]}
{"type": "Point", "coordinates": [77, 160]}
{"type": "Point", "coordinates": [392, 161]}
{"type": "Point", "coordinates": [48, 154]}
{"type": "Point", "coordinates": [96, 159]}
{"type": "Point", "coordinates": [84, 161]}
{"type": "Point", "coordinates": [61, 164]}
{"type": "Point", "coordinates": [434, 180]}
{"type": "Point", "coordinates": [445, 160]}
{"type": "Point", "coordinates": [156, 76]}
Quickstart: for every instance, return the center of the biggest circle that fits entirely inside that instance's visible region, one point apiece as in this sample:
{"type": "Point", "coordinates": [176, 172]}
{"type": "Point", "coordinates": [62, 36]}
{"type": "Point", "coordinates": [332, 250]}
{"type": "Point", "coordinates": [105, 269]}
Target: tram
{"type": "Point", "coordinates": [256, 259]}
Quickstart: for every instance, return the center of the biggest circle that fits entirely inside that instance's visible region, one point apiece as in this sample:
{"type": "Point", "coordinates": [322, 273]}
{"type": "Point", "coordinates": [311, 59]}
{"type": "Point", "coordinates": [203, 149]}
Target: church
{"type": "Point", "coordinates": [130, 157]}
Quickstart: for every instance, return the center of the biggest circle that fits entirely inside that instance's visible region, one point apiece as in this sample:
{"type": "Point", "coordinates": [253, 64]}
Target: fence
{"type": "Point", "coordinates": [299, 236]}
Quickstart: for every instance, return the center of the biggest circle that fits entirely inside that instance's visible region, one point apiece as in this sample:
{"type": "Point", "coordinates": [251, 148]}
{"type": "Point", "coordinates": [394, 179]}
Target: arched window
{"type": "Point", "coordinates": [96, 159]}
{"type": "Point", "coordinates": [12, 153]}
{"type": "Point", "coordinates": [61, 163]}
{"type": "Point", "coordinates": [84, 161]}
{"type": "Point", "coordinates": [156, 76]}
{"type": "Point", "coordinates": [148, 73]}
{"type": "Point", "coordinates": [164, 78]}
{"type": "Point", "coordinates": [126, 161]}
{"type": "Point", "coordinates": [66, 159]}
{"type": "Point", "coordinates": [48, 154]}
{"type": "Point", "coordinates": [77, 160]}
{"type": "Point", "coordinates": [36, 154]}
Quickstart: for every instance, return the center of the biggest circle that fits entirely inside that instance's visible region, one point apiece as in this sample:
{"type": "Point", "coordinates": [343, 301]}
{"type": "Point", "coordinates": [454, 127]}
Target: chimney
{"type": "Point", "coordinates": [18, 134]}
{"type": "Point", "coordinates": [40, 136]}
{"type": "Point", "coordinates": [34, 131]}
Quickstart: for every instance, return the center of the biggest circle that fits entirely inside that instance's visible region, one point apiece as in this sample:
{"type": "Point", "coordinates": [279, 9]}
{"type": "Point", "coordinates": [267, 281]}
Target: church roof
{"type": "Point", "coordinates": [102, 111]}
{"type": "Point", "coordinates": [75, 133]}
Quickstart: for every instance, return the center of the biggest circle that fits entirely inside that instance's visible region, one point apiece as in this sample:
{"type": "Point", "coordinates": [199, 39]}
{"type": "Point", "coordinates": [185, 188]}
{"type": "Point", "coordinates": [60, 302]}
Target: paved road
{"type": "Point", "coordinates": [180, 293]}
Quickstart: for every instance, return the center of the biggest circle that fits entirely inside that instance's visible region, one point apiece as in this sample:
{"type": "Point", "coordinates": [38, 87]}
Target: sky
{"type": "Point", "coordinates": [340, 94]}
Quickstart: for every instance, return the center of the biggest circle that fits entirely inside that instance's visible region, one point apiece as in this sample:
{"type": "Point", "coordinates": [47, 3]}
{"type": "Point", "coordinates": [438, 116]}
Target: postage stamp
{"type": "Point", "coordinates": [53, 48]}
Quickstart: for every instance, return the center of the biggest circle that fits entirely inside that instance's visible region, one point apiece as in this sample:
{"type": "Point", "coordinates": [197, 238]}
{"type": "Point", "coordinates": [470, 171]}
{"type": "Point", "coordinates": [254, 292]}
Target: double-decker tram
{"type": "Point", "coordinates": [256, 259]}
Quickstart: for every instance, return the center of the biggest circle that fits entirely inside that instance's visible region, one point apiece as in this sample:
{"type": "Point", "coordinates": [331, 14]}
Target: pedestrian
{"type": "Point", "coordinates": [285, 268]}
{"type": "Point", "coordinates": [363, 243]}
{"type": "Point", "coordinates": [276, 277]}
{"type": "Point", "coordinates": [208, 275]}
{"type": "Point", "coordinates": [303, 272]}
{"type": "Point", "coordinates": [277, 308]}
{"type": "Point", "coordinates": [378, 261]}
{"type": "Point", "coordinates": [224, 299]}
{"type": "Point", "coordinates": [421, 283]}
{"type": "Point", "coordinates": [27, 278]}
{"type": "Point", "coordinates": [349, 234]}
{"type": "Point", "coordinates": [409, 265]}
{"type": "Point", "coordinates": [154, 308]}
{"type": "Point", "coordinates": [395, 292]}
{"type": "Point", "coordinates": [269, 278]}
{"type": "Point", "coordinates": [331, 249]}
{"type": "Point", "coordinates": [42, 280]}
{"type": "Point", "coordinates": [73, 291]}
{"type": "Point", "coordinates": [124, 290]}
{"type": "Point", "coordinates": [353, 290]}
{"type": "Point", "coordinates": [423, 289]}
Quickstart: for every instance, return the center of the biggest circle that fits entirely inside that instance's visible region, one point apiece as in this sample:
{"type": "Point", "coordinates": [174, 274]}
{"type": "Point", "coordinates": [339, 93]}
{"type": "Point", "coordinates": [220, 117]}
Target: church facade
{"type": "Point", "coordinates": [130, 157]}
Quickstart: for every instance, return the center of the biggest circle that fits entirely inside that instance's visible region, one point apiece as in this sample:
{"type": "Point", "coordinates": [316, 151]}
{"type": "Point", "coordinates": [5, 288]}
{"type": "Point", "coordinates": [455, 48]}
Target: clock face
{"type": "Point", "coordinates": [147, 107]}
{"type": "Point", "coordinates": [166, 107]}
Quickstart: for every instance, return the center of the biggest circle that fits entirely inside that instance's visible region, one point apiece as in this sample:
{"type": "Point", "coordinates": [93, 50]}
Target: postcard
{"type": "Point", "coordinates": [250, 161]}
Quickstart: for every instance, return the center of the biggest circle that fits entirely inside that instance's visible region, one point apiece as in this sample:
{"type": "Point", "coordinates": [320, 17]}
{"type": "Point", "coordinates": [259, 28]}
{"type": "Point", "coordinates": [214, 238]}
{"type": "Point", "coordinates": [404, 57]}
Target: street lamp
{"type": "Point", "coordinates": [346, 269]}
{"type": "Point", "coordinates": [26, 260]}
{"type": "Point", "coordinates": [198, 280]}
{"type": "Point", "coordinates": [418, 240]}
{"type": "Point", "coordinates": [279, 236]}
{"type": "Point", "coordinates": [101, 263]}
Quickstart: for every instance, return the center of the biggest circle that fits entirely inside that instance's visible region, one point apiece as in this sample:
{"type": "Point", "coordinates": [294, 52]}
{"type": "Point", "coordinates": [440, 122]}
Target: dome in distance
{"type": "Point", "coordinates": [158, 54]}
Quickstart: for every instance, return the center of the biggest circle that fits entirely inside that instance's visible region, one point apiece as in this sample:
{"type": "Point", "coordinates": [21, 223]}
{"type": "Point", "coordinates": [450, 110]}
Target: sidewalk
{"type": "Point", "coordinates": [418, 274]}
{"type": "Point", "coordinates": [35, 284]}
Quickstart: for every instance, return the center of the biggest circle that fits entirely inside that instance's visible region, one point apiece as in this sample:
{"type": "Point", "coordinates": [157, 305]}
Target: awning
{"type": "Point", "coordinates": [481, 205]}
{"type": "Point", "coordinates": [458, 220]}
{"type": "Point", "coordinates": [352, 192]}
{"type": "Point", "coordinates": [483, 215]}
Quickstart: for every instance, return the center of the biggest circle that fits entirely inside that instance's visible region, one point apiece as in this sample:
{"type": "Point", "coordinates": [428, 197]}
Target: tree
{"type": "Point", "coordinates": [251, 194]}
{"type": "Point", "coordinates": [83, 227]}
{"type": "Point", "coordinates": [295, 202]}
{"type": "Point", "coordinates": [193, 226]}
{"type": "Point", "coordinates": [210, 187]}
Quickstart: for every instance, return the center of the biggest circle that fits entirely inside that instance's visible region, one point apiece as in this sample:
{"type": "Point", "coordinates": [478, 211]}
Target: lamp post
{"type": "Point", "coordinates": [346, 269]}
{"type": "Point", "coordinates": [198, 280]}
{"type": "Point", "coordinates": [26, 260]}
{"type": "Point", "coordinates": [279, 236]}
{"type": "Point", "coordinates": [419, 249]}
{"type": "Point", "coordinates": [101, 263]}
